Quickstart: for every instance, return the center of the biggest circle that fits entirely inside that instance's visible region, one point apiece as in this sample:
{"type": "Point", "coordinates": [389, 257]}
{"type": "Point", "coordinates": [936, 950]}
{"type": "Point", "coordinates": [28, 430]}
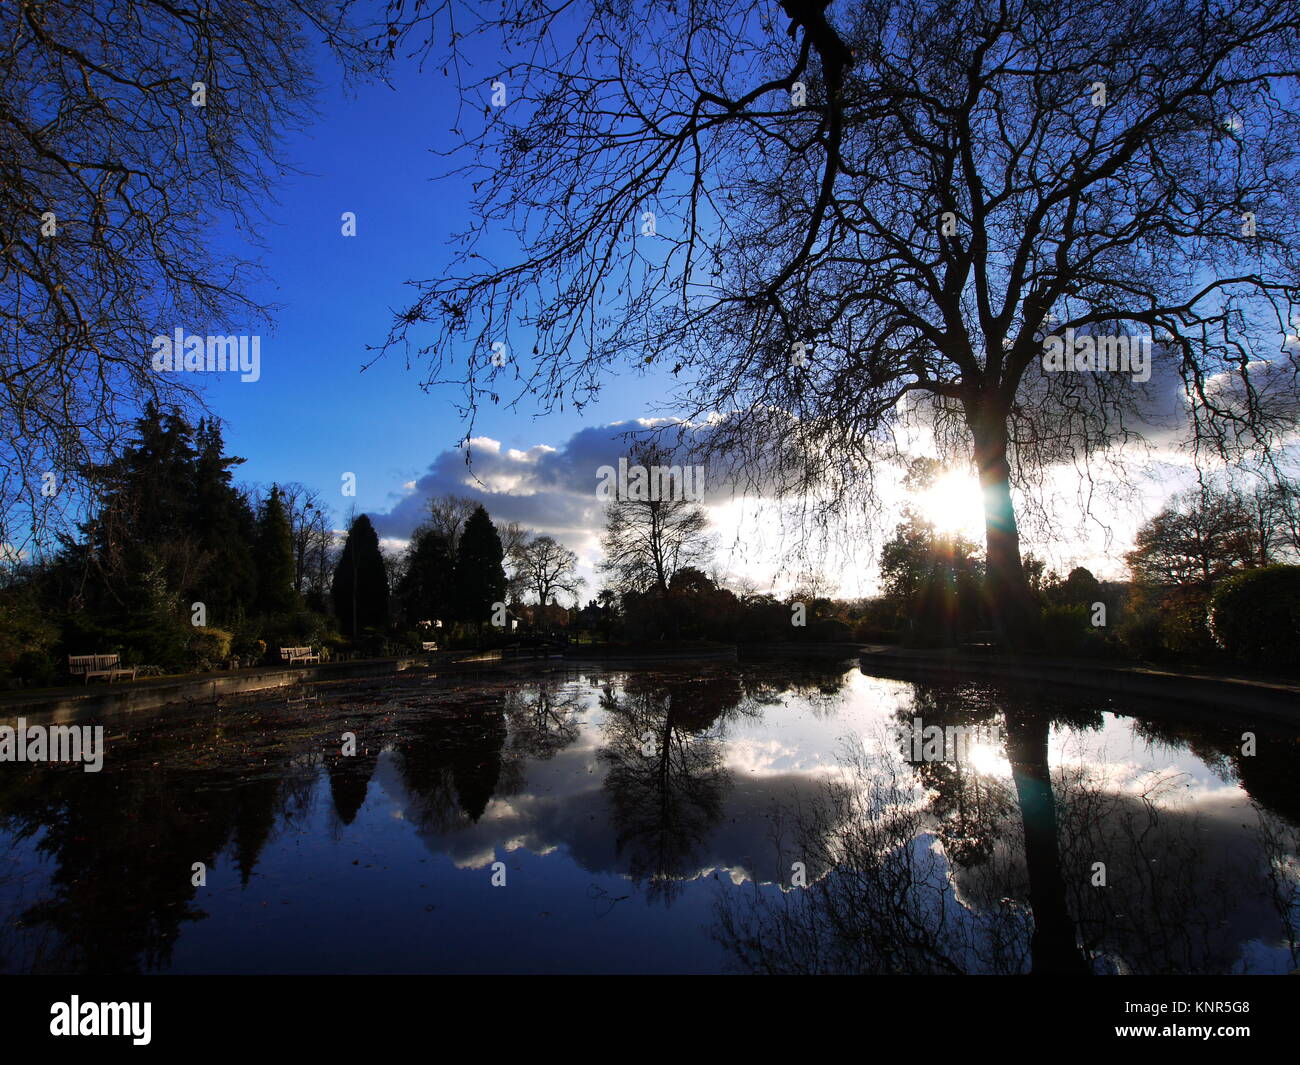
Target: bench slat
{"type": "Point", "coordinates": [110, 666]}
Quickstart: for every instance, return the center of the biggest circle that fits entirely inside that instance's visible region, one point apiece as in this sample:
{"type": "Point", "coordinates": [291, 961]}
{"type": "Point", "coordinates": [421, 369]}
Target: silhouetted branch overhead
{"type": "Point", "coordinates": [872, 216]}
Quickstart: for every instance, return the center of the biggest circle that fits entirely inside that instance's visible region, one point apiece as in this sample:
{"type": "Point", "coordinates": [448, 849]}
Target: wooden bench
{"type": "Point", "coordinates": [298, 655]}
{"type": "Point", "coordinates": [87, 666]}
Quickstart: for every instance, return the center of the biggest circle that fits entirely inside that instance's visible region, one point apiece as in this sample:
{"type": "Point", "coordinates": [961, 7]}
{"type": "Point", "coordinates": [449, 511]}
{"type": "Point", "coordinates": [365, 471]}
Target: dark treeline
{"type": "Point", "coordinates": [173, 566]}
{"type": "Point", "coordinates": [177, 568]}
{"type": "Point", "coordinates": [1212, 575]}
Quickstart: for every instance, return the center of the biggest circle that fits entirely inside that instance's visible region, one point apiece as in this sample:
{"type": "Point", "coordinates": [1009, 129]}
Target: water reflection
{"type": "Point", "coordinates": [952, 870]}
{"type": "Point", "coordinates": [697, 790]}
{"type": "Point", "coordinates": [665, 774]}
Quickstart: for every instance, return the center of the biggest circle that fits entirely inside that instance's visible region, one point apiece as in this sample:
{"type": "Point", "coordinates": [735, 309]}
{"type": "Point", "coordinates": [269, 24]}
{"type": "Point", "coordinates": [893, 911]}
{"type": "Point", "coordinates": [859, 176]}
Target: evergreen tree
{"type": "Point", "coordinates": [169, 529]}
{"type": "Point", "coordinates": [275, 594]}
{"type": "Point", "coordinates": [141, 544]}
{"type": "Point", "coordinates": [480, 578]}
{"type": "Point", "coordinates": [425, 590]}
{"type": "Point", "coordinates": [227, 528]}
{"type": "Point", "coordinates": [360, 586]}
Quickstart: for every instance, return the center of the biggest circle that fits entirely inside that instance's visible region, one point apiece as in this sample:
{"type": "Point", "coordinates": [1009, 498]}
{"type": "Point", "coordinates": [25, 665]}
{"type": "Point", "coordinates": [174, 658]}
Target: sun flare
{"type": "Point", "coordinates": [954, 504]}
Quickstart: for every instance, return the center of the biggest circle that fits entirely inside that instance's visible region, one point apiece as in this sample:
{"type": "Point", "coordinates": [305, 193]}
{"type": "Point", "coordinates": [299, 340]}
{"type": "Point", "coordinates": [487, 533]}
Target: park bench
{"type": "Point", "coordinates": [87, 666]}
{"type": "Point", "coordinates": [298, 655]}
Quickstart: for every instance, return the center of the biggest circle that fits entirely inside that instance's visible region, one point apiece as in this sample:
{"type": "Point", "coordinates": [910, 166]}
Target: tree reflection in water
{"type": "Point", "coordinates": [937, 867]}
{"type": "Point", "coordinates": [913, 867]}
{"type": "Point", "coordinates": [665, 777]}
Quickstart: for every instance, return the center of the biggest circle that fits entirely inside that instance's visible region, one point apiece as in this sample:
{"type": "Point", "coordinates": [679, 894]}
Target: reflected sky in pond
{"type": "Point", "coordinates": [701, 818]}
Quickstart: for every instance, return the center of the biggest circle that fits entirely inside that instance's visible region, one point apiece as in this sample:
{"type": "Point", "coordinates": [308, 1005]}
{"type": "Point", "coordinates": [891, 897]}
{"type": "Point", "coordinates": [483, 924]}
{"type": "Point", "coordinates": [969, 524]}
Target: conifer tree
{"type": "Point", "coordinates": [360, 586]}
{"type": "Point", "coordinates": [141, 546]}
{"type": "Point", "coordinates": [425, 590]}
{"type": "Point", "coordinates": [227, 531]}
{"type": "Point", "coordinates": [275, 594]}
{"type": "Point", "coordinates": [480, 578]}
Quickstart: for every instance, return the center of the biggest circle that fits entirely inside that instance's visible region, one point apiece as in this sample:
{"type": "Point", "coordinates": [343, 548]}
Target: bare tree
{"type": "Point", "coordinates": [448, 515]}
{"type": "Point", "coordinates": [829, 221]}
{"type": "Point", "coordinates": [1275, 509]}
{"type": "Point", "coordinates": [514, 537]}
{"type": "Point", "coordinates": [647, 541]}
{"type": "Point", "coordinates": [127, 130]}
{"type": "Point", "coordinates": [547, 567]}
{"type": "Point", "coordinates": [309, 530]}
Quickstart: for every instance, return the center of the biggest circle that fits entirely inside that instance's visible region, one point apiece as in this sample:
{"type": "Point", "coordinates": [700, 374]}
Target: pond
{"type": "Point", "coordinates": [707, 817]}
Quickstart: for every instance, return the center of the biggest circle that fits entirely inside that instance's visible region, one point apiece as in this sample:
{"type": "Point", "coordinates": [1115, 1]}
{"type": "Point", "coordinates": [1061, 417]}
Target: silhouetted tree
{"type": "Point", "coordinates": [867, 217]}
{"type": "Point", "coordinates": [932, 580]}
{"type": "Point", "coordinates": [309, 527]}
{"type": "Point", "coordinates": [448, 515]}
{"type": "Point", "coordinates": [224, 524]}
{"type": "Point", "coordinates": [1080, 588]}
{"type": "Point", "coordinates": [114, 181]}
{"type": "Point", "coordinates": [547, 568]}
{"type": "Point", "coordinates": [1196, 539]}
{"type": "Point", "coordinates": [169, 528]}
{"type": "Point", "coordinates": [647, 540]}
{"type": "Point", "coordinates": [275, 594]}
{"type": "Point", "coordinates": [360, 587]}
{"type": "Point", "coordinates": [480, 578]}
{"type": "Point", "coordinates": [425, 589]}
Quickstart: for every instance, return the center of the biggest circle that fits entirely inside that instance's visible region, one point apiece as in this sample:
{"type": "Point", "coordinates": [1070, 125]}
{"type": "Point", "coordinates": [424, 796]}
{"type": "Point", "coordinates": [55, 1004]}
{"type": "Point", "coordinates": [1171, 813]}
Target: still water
{"type": "Point", "coordinates": [770, 817]}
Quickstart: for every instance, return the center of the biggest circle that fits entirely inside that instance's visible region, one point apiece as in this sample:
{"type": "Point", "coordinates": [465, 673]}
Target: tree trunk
{"type": "Point", "coordinates": [1011, 603]}
{"type": "Point", "coordinates": [1054, 946]}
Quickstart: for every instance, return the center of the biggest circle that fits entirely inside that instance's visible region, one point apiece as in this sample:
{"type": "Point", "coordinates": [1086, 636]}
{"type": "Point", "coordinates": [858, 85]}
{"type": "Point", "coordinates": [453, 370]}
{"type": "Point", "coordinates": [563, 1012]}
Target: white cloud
{"type": "Point", "coordinates": [1088, 515]}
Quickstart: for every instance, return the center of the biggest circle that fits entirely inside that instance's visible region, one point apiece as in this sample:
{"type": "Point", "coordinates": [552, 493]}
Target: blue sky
{"type": "Point", "coordinates": [314, 415]}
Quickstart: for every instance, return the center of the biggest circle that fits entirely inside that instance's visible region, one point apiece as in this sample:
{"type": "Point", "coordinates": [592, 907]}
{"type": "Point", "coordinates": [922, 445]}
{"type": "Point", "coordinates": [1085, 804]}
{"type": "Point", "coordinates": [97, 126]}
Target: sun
{"type": "Point", "coordinates": [954, 504]}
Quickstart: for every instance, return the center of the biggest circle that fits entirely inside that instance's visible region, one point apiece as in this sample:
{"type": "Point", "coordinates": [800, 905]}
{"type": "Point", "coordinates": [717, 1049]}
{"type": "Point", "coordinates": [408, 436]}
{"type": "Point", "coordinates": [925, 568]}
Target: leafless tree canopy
{"type": "Point", "coordinates": [949, 191]}
{"type": "Point", "coordinates": [448, 515]}
{"type": "Point", "coordinates": [311, 535]}
{"type": "Point", "coordinates": [647, 541]}
{"type": "Point", "coordinates": [110, 182]}
{"type": "Point", "coordinates": [546, 568]}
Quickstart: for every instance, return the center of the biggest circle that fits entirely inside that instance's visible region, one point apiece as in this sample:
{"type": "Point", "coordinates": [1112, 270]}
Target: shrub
{"type": "Point", "coordinates": [209, 648]}
{"type": "Point", "coordinates": [371, 643]}
{"type": "Point", "coordinates": [1185, 623]}
{"type": "Point", "coordinates": [762, 620]}
{"type": "Point", "coordinates": [873, 632]}
{"type": "Point", "coordinates": [331, 644]}
{"type": "Point", "coordinates": [829, 630]}
{"type": "Point", "coordinates": [247, 634]}
{"type": "Point", "coordinates": [410, 640]}
{"type": "Point", "coordinates": [36, 668]}
{"type": "Point", "coordinates": [1255, 616]}
{"type": "Point", "coordinates": [27, 636]}
{"type": "Point", "coordinates": [1066, 629]}
{"type": "Point", "coordinates": [298, 628]}
{"type": "Point", "coordinates": [163, 640]}
{"type": "Point", "coordinates": [647, 617]}
{"type": "Point", "coordinates": [1139, 631]}
{"type": "Point", "coordinates": [1166, 623]}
